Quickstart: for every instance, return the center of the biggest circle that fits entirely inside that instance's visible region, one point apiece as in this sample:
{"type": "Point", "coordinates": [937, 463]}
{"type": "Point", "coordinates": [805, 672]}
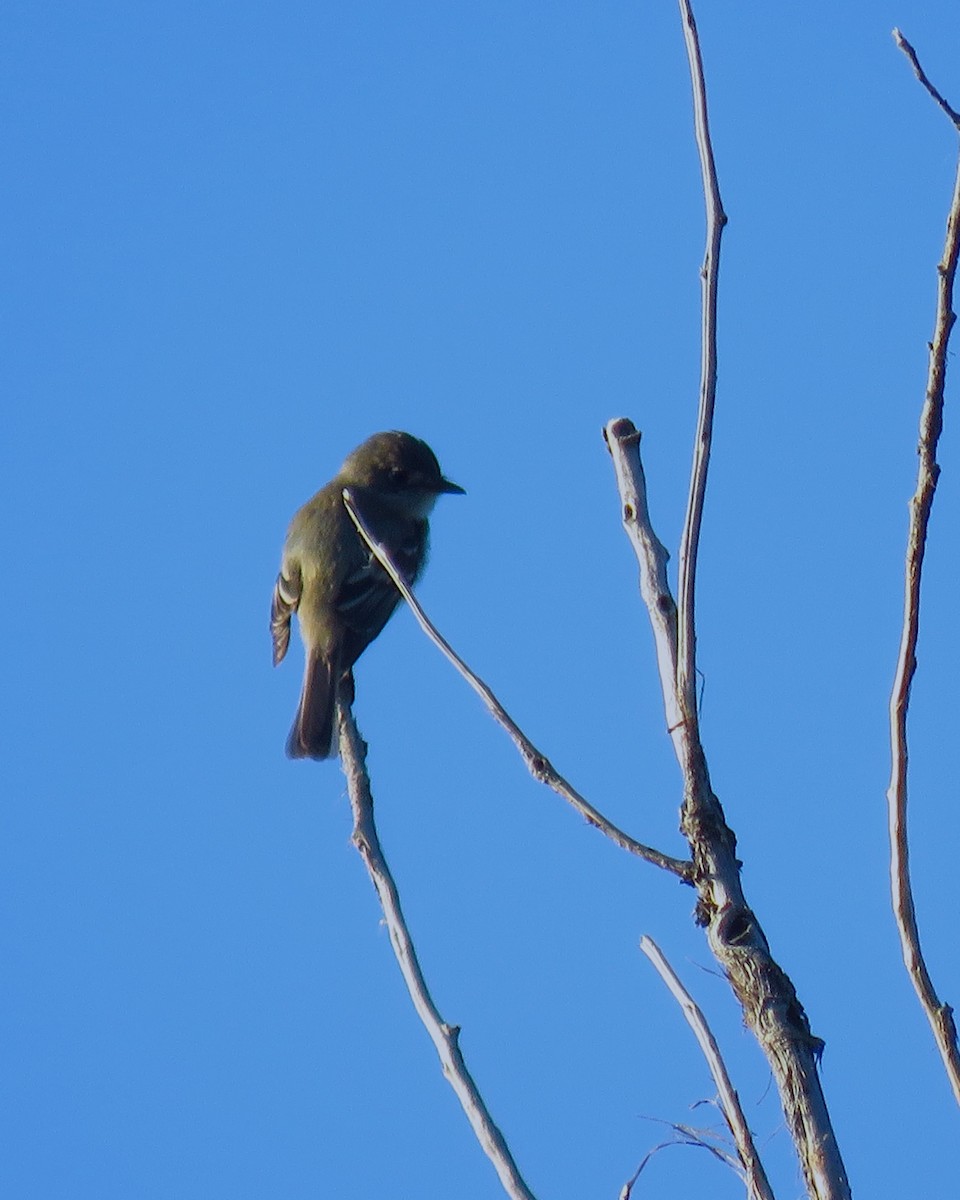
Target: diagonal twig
{"type": "Point", "coordinates": [446, 1038]}
{"type": "Point", "coordinates": [904, 45]}
{"type": "Point", "coordinates": [756, 1177]}
{"type": "Point", "coordinates": [538, 764]}
{"type": "Point", "coordinates": [939, 1015]}
{"type": "Point", "coordinates": [709, 282]}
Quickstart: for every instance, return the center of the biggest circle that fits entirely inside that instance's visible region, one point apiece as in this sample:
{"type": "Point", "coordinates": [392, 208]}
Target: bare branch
{"type": "Point", "coordinates": [771, 1007]}
{"type": "Point", "coordinates": [939, 1015]}
{"type": "Point", "coordinates": [538, 764]}
{"type": "Point", "coordinates": [911, 54]}
{"type": "Point", "coordinates": [623, 442]}
{"type": "Point", "coordinates": [709, 282]}
{"type": "Point", "coordinates": [446, 1038]}
{"type": "Point", "coordinates": [756, 1177]}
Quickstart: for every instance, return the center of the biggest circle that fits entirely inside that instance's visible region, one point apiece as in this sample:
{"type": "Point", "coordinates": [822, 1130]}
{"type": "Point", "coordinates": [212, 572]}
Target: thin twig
{"type": "Point", "coordinates": [705, 1138]}
{"type": "Point", "coordinates": [538, 764]}
{"type": "Point", "coordinates": [446, 1038]}
{"type": "Point", "coordinates": [921, 74]}
{"type": "Point", "coordinates": [709, 282]}
{"type": "Point", "coordinates": [756, 1177]}
{"type": "Point", "coordinates": [688, 1137]}
{"type": "Point", "coordinates": [939, 1015]}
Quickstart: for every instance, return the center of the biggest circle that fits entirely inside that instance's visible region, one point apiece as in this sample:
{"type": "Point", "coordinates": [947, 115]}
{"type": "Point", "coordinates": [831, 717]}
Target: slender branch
{"type": "Point", "coordinates": [709, 282]}
{"type": "Point", "coordinates": [921, 74]}
{"type": "Point", "coordinates": [939, 1014]}
{"type": "Point", "coordinates": [756, 1177]}
{"type": "Point", "coordinates": [538, 764]}
{"type": "Point", "coordinates": [446, 1038]}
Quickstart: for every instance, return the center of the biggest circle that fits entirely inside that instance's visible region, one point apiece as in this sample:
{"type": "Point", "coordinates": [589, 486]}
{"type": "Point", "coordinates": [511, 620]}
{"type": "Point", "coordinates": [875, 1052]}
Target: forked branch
{"type": "Point", "coordinates": [771, 1007]}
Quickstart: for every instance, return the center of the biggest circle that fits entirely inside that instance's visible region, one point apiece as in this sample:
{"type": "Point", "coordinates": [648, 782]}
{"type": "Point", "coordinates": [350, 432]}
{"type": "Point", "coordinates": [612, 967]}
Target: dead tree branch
{"type": "Point", "coordinates": [538, 764]}
{"type": "Point", "coordinates": [939, 1014]}
{"type": "Point", "coordinates": [446, 1038]}
{"type": "Point", "coordinates": [769, 1000]}
{"type": "Point", "coordinates": [709, 284]}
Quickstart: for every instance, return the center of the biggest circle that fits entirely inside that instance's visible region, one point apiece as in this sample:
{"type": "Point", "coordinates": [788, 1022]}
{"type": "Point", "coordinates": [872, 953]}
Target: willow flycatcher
{"type": "Point", "coordinates": [332, 581]}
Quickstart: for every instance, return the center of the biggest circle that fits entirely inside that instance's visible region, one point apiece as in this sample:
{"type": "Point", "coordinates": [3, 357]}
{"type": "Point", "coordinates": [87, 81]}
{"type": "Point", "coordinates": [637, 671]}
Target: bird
{"type": "Point", "coordinates": [331, 579]}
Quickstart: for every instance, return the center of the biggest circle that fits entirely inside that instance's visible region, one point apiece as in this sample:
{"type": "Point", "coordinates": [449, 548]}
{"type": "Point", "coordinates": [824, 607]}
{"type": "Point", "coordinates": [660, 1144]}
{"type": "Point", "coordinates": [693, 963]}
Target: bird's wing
{"type": "Point", "coordinates": [368, 596]}
{"type": "Point", "coordinates": [286, 597]}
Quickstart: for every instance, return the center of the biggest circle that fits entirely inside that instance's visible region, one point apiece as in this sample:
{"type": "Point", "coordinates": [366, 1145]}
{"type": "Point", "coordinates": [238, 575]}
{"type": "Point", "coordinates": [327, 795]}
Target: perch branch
{"type": "Point", "coordinates": [939, 1015]}
{"type": "Point", "coordinates": [538, 764]}
{"type": "Point", "coordinates": [446, 1038]}
{"type": "Point", "coordinates": [756, 1177]}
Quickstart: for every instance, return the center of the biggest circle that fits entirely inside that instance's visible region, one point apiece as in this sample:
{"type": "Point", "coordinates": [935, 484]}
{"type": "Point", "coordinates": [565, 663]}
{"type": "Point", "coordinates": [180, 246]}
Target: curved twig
{"type": "Point", "coordinates": [688, 1139]}
{"type": "Point", "coordinates": [444, 1037]}
{"type": "Point", "coordinates": [538, 764]}
{"type": "Point", "coordinates": [939, 1015]}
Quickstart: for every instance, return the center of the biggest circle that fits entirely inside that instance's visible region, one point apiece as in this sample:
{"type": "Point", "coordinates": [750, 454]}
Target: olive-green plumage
{"type": "Point", "coordinates": [328, 576]}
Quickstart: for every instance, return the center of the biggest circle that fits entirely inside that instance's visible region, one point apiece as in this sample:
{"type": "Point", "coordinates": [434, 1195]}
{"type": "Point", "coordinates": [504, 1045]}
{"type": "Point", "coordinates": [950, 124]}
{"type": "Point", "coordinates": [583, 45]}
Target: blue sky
{"type": "Point", "coordinates": [242, 237]}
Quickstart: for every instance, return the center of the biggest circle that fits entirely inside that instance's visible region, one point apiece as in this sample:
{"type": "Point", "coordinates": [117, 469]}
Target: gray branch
{"type": "Point", "coordinates": [709, 283]}
{"type": "Point", "coordinates": [771, 1008]}
{"type": "Point", "coordinates": [755, 1175]}
{"type": "Point", "coordinates": [538, 764]}
{"type": "Point", "coordinates": [446, 1038]}
{"type": "Point", "coordinates": [939, 1015]}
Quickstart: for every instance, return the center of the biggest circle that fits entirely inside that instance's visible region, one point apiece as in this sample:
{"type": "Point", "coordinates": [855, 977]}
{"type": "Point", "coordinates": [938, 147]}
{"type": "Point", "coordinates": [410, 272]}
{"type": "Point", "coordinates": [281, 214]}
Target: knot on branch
{"type": "Point", "coordinates": [736, 927]}
{"type": "Point", "coordinates": [539, 767]}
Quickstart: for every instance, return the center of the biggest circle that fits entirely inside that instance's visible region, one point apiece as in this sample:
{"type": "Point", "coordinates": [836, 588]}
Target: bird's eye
{"type": "Point", "coordinates": [398, 476]}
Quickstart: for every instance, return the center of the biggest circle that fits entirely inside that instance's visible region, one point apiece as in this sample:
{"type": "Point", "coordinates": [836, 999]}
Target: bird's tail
{"type": "Point", "coordinates": [314, 734]}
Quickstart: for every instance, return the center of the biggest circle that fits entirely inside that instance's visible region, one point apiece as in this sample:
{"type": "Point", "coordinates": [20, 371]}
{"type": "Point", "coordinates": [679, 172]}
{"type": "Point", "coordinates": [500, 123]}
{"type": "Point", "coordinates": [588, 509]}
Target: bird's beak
{"type": "Point", "coordinates": [447, 487]}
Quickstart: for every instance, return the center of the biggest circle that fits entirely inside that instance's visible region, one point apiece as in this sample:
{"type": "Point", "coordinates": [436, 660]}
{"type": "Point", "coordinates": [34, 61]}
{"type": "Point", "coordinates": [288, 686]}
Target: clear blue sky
{"type": "Point", "coordinates": [238, 239]}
